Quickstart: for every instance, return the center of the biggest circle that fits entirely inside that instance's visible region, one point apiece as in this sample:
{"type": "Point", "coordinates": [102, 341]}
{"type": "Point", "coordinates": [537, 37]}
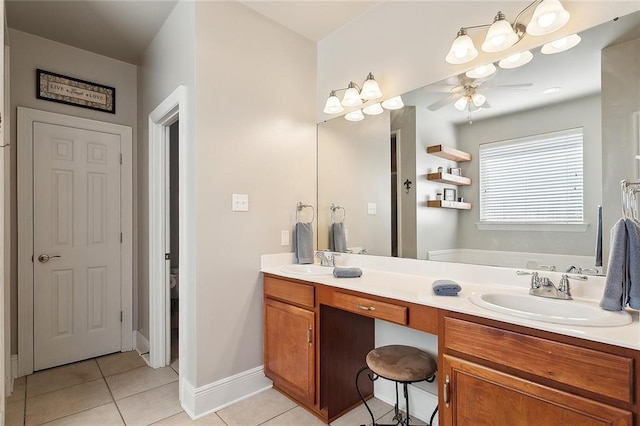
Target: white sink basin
{"type": "Point", "coordinates": [307, 269]}
{"type": "Point", "coordinates": [568, 312]}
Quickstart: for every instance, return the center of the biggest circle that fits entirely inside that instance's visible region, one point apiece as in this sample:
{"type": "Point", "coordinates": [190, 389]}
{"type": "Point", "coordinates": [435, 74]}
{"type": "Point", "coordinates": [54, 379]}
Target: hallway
{"type": "Point", "coordinates": [121, 389]}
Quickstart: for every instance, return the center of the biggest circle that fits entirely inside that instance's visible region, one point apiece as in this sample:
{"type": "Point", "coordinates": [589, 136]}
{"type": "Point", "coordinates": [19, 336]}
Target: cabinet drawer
{"type": "Point", "coordinates": [289, 291]}
{"type": "Point", "coordinates": [371, 308]}
{"type": "Point", "coordinates": [599, 372]}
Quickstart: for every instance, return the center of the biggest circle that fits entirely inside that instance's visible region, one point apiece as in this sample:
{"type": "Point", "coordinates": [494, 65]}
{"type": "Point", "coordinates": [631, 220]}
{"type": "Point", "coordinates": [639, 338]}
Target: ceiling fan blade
{"type": "Point", "coordinates": [514, 87]}
{"type": "Point", "coordinates": [441, 88]}
{"type": "Point", "coordinates": [447, 100]}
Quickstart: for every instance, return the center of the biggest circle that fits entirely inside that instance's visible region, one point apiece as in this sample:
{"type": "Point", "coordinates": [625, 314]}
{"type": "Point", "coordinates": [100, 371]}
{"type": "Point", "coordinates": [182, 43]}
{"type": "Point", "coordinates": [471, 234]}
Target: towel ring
{"type": "Point", "coordinates": [335, 207]}
{"type": "Point", "coordinates": [301, 206]}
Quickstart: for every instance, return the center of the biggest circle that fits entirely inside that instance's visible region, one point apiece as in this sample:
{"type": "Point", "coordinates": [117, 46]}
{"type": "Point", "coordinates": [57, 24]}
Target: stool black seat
{"type": "Point", "coordinates": [402, 365]}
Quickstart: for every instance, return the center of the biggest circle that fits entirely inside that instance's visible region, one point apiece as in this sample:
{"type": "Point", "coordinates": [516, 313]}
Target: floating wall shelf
{"type": "Point", "coordinates": [443, 204]}
{"type": "Point", "coordinates": [449, 178]}
{"type": "Point", "coordinates": [449, 153]}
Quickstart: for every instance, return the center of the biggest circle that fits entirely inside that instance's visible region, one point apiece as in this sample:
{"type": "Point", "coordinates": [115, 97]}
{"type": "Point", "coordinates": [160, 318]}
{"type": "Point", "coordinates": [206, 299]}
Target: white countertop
{"type": "Point", "coordinates": [381, 277]}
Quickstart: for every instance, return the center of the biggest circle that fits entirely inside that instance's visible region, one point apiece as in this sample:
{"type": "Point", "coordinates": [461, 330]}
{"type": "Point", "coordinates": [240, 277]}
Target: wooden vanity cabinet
{"type": "Point", "coordinates": [289, 337]}
{"type": "Point", "coordinates": [495, 376]}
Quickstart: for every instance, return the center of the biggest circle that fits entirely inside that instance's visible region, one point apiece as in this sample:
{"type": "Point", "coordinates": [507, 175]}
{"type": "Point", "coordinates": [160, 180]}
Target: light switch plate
{"type": "Point", "coordinates": [371, 208]}
{"type": "Point", "coordinates": [239, 202]}
{"type": "Point", "coordinates": [284, 238]}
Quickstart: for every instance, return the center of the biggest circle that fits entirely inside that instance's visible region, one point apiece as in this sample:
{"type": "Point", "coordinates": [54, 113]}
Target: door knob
{"type": "Point", "coordinates": [44, 258]}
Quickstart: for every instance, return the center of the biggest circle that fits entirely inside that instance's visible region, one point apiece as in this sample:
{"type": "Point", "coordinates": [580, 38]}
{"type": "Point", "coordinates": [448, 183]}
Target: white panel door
{"type": "Point", "coordinates": [77, 243]}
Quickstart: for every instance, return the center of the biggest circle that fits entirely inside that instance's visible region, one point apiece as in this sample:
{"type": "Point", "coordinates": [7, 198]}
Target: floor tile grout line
{"type": "Point", "coordinates": [275, 417]}
{"type": "Point", "coordinates": [137, 393]}
{"type": "Point", "coordinates": [113, 399]}
{"type": "Point", "coordinates": [73, 414]}
{"type": "Point", "coordinates": [26, 388]}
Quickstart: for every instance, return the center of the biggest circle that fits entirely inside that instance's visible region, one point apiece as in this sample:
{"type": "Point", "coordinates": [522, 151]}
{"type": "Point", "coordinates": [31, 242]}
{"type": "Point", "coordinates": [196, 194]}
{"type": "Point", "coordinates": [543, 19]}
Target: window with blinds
{"type": "Point", "coordinates": [533, 180]}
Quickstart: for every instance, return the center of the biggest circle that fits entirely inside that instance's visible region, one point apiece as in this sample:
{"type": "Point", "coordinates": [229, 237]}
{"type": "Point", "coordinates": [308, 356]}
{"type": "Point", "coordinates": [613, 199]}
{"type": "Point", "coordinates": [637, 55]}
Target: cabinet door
{"type": "Point", "coordinates": [289, 349]}
{"type": "Point", "coordinates": [478, 396]}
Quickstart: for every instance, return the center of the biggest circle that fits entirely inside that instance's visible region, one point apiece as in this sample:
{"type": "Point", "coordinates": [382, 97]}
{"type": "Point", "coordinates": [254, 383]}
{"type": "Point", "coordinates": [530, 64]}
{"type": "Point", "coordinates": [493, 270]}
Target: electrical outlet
{"type": "Point", "coordinates": [239, 203]}
{"type": "Point", "coordinates": [284, 238]}
{"type": "Point", "coordinates": [371, 208]}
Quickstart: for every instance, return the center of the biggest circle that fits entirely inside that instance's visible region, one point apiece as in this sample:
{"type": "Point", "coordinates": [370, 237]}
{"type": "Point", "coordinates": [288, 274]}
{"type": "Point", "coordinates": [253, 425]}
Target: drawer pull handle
{"type": "Point", "coordinates": [365, 308]}
{"type": "Point", "coordinates": [445, 393]}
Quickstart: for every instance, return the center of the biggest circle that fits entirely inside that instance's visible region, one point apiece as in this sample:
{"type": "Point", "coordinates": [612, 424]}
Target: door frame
{"type": "Point", "coordinates": [172, 109]}
{"type": "Point", "coordinates": [26, 119]}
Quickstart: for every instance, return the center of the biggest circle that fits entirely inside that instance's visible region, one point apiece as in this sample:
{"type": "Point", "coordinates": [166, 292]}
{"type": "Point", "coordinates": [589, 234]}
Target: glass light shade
{"type": "Point", "coordinates": [354, 116]}
{"type": "Point", "coordinates": [393, 103]}
{"type": "Point", "coordinates": [351, 97]}
{"type": "Point", "coordinates": [373, 109]}
{"type": "Point", "coordinates": [500, 36]}
{"type": "Point", "coordinates": [461, 104]}
{"type": "Point", "coordinates": [370, 89]}
{"type": "Point", "coordinates": [560, 45]}
{"type": "Point", "coordinates": [332, 106]}
{"type": "Point", "coordinates": [481, 71]}
{"type": "Point", "coordinates": [548, 17]}
{"type": "Point", "coordinates": [462, 49]}
{"type": "Point", "coordinates": [515, 61]}
{"type": "Point", "coordinates": [478, 99]}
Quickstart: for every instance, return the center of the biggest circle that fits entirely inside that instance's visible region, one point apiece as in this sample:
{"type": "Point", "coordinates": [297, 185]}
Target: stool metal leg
{"type": "Point", "coordinates": [373, 419]}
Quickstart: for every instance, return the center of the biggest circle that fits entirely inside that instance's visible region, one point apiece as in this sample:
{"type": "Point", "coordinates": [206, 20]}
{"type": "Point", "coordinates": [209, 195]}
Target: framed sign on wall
{"type": "Point", "coordinates": [72, 91]}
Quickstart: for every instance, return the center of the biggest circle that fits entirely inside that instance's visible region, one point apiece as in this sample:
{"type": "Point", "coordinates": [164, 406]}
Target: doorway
{"type": "Point", "coordinates": [173, 229]}
{"type": "Point", "coordinates": [75, 249]}
{"type": "Point", "coordinates": [396, 195]}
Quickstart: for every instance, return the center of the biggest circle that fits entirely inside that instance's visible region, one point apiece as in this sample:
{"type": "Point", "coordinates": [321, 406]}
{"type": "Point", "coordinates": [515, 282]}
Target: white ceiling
{"type": "Point", "coordinates": [122, 29]}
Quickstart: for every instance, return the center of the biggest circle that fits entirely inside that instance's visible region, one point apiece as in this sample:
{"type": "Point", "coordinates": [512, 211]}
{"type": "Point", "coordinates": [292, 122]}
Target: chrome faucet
{"type": "Point", "coordinates": [327, 258]}
{"type": "Point", "coordinates": [544, 287]}
{"type": "Point", "coordinates": [571, 269]}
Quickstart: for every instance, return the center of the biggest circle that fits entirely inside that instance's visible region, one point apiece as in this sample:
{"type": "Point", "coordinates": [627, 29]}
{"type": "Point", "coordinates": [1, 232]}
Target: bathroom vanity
{"type": "Point", "coordinates": [493, 369]}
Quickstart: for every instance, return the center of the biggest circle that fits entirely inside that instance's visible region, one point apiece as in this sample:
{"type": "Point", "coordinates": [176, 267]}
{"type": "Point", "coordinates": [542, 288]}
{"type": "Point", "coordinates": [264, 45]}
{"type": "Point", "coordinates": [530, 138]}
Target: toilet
{"type": "Point", "coordinates": [174, 282]}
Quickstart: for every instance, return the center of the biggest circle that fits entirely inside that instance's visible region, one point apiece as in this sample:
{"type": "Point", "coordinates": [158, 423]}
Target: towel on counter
{"type": "Point", "coordinates": [347, 272]}
{"type": "Point", "coordinates": [446, 287]}
{"type": "Point", "coordinates": [633, 262]}
{"type": "Point", "coordinates": [616, 293]}
{"type": "Point", "coordinates": [337, 238]}
{"type": "Point", "coordinates": [304, 242]}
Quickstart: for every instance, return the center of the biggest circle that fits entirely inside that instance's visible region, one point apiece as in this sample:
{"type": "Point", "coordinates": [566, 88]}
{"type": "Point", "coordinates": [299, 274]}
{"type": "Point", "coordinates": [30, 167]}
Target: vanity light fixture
{"type": "Point", "coordinates": [393, 103]}
{"type": "Point", "coordinates": [515, 61]}
{"type": "Point", "coordinates": [551, 90]}
{"type": "Point", "coordinates": [481, 71]}
{"type": "Point", "coordinates": [354, 115]}
{"type": "Point", "coordinates": [373, 109]}
{"type": "Point", "coordinates": [560, 45]}
{"type": "Point", "coordinates": [548, 16]}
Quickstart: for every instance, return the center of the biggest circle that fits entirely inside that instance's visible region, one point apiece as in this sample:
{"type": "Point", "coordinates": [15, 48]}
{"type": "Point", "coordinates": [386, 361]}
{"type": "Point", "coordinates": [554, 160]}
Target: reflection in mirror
{"type": "Point", "coordinates": [377, 169]}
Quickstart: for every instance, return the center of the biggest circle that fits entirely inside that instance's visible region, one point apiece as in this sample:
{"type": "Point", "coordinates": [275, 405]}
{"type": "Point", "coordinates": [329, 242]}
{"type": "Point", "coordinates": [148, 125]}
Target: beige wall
{"type": "Point", "coordinates": [28, 53]}
{"type": "Point", "coordinates": [255, 134]}
{"type": "Point", "coordinates": [354, 170]}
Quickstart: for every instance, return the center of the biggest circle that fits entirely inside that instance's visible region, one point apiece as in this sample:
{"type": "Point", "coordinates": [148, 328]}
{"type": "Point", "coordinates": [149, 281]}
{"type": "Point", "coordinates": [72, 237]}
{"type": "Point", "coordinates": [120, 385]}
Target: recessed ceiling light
{"type": "Point", "coordinates": [551, 90]}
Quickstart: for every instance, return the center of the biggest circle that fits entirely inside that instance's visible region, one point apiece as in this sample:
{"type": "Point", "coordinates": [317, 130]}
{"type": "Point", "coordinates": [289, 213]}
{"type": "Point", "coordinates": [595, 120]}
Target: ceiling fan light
{"type": "Point", "coordinates": [560, 45]}
{"type": "Point", "coordinates": [462, 49]}
{"type": "Point", "coordinates": [548, 17]}
{"type": "Point", "coordinates": [351, 96]}
{"type": "Point", "coordinates": [481, 71]}
{"type": "Point", "coordinates": [500, 36]}
{"type": "Point", "coordinates": [354, 116]}
{"type": "Point", "coordinates": [393, 103]}
{"type": "Point", "coordinates": [370, 89]}
{"type": "Point", "coordinates": [461, 104]}
{"type": "Point", "coordinates": [515, 61]}
{"type": "Point", "coordinates": [332, 106]}
{"type": "Point", "coordinates": [478, 99]}
{"type": "Point", "coordinates": [373, 109]}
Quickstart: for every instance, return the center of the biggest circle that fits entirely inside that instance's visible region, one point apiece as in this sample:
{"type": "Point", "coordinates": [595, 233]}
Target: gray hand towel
{"type": "Point", "coordinates": [304, 242]}
{"type": "Point", "coordinates": [338, 236]}
{"type": "Point", "coordinates": [615, 287]}
{"type": "Point", "coordinates": [633, 262]}
{"type": "Point", "coordinates": [446, 287]}
{"type": "Point", "coordinates": [347, 272]}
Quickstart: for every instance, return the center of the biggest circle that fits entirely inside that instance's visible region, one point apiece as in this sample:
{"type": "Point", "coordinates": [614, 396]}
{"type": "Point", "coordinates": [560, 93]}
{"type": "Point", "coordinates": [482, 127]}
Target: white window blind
{"type": "Point", "coordinates": [536, 179]}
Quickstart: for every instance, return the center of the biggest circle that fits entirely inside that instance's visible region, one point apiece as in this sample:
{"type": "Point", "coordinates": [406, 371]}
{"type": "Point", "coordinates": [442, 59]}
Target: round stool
{"type": "Point", "coordinates": [400, 364]}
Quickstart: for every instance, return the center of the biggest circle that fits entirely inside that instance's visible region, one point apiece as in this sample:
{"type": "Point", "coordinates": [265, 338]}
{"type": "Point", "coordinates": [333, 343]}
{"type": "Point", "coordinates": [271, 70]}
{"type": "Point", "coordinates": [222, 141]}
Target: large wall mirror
{"type": "Point", "coordinates": [372, 174]}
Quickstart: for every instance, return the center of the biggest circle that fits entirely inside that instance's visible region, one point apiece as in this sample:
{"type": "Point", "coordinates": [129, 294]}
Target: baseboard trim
{"type": "Point", "coordinates": [207, 399]}
{"type": "Point", "coordinates": [141, 343]}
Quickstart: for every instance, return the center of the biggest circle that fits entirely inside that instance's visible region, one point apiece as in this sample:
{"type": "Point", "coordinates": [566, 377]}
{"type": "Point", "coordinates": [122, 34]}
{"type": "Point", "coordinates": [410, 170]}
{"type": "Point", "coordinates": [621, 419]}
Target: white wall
{"type": "Point", "coordinates": [168, 63]}
{"type": "Point", "coordinates": [404, 42]}
{"type": "Point", "coordinates": [255, 134]}
{"type": "Point", "coordinates": [620, 130]}
{"type": "Point", "coordinates": [583, 112]}
{"type": "Point", "coordinates": [354, 161]}
{"type": "Point", "coordinates": [28, 53]}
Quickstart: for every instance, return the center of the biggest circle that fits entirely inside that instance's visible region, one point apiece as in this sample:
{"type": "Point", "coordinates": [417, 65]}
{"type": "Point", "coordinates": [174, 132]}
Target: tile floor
{"type": "Point", "coordinates": [121, 389]}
